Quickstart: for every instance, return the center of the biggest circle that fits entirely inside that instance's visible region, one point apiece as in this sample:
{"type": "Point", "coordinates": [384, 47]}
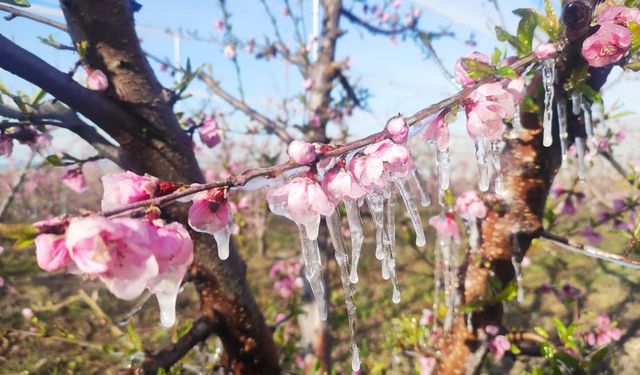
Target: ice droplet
{"type": "Point", "coordinates": [517, 267]}
{"type": "Point", "coordinates": [313, 270]}
{"type": "Point", "coordinates": [516, 123]}
{"type": "Point", "coordinates": [576, 103]}
{"type": "Point", "coordinates": [416, 183]}
{"type": "Point", "coordinates": [562, 124]}
{"type": "Point", "coordinates": [588, 127]}
{"type": "Point", "coordinates": [334, 224]}
{"type": "Point", "coordinates": [357, 236]}
{"type": "Point", "coordinates": [412, 208]}
{"type": "Point", "coordinates": [390, 246]}
{"type": "Point", "coordinates": [483, 166]}
{"type": "Point", "coordinates": [222, 240]}
{"type": "Point", "coordinates": [580, 151]}
{"type": "Point", "coordinates": [496, 149]}
{"type": "Point", "coordinates": [444, 163]}
{"type": "Point", "coordinates": [375, 201]}
{"type": "Point", "coordinates": [548, 81]}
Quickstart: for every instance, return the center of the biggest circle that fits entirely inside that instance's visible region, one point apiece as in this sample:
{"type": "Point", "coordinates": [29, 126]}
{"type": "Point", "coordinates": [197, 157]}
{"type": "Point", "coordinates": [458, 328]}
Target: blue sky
{"type": "Point", "coordinates": [399, 78]}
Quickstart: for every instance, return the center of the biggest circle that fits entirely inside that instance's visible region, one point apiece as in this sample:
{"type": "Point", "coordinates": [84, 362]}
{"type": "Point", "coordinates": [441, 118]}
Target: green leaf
{"type": "Point", "coordinates": [509, 293]}
{"type": "Point", "coordinates": [496, 57]}
{"type": "Point", "coordinates": [552, 19]}
{"type": "Point", "coordinates": [54, 160]}
{"type": "Point", "coordinates": [477, 70]}
{"type": "Point", "coordinates": [560, 327]}
{"type": "Point", "coordinates": [18, 3]}
{"type": "Point", "coordinates": [526, 27]}
{"type": "Point", "coordinates": [541, 332]}
{"type": "Point", "coordinates": [38, 97]}
{"type": "Point", "coordinates": [634, 28]}
{"type": "Point", "coordinates": [507, 72]}
{"type": "Point", "coordinates": [597, 356]}
{"type": "Point", "coordinates": [514, 349]}
{"type": "Point", "coordinates": [20, 103]}
{"type": "Point", "coordinates": [633, 66]}
{"type": "Point", "coordinates": [571, 362]}
{"type": "Point", "coordinates": [504, 36]}
{"type": "Point", "coordinates": [547, 350]}
{"type": "Point", "coordinates": [578, 77]}
{"type": "Point", "coordinates": [630, 3]}
{"type": "Point", "coordinates": [134, 337]}
{"type": "Point", "coordinates": [81, 47]}
{"type": "Point", "coordinates": [590, 93]}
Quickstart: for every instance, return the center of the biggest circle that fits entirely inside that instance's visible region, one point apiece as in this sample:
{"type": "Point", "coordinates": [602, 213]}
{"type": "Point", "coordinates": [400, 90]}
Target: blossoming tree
{"type": "Point", "coordinates": [523, 113]}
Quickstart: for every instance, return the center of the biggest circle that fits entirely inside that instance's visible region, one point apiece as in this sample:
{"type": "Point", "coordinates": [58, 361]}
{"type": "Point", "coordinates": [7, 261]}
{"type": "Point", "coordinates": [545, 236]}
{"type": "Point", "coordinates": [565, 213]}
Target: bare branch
{"type": "Point", "coordinates": [618, 167]}
{"type": "Point", "coordinates": [244, 107]}
{"type": "Point", "coordinates": [590, 251]}
{"type": "Point", "coordinates": [344, 82]}
{"type": "Point", "coordinates": [14, 188]}
{"type": "Point", "coordinates": [17, 12]}
{"type": "Point", "coordinates": [374, 29]}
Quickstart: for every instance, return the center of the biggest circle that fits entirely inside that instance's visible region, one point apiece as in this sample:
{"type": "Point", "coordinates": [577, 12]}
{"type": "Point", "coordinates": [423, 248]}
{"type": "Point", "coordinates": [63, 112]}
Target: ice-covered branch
{"type": "Point", "coordinates": [590, 251]}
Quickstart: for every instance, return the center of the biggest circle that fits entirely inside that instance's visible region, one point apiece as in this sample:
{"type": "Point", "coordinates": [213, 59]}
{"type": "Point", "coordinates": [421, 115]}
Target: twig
{"type": "Point", "coordinates": [374, 29]}
{"type": "Point", "coordinates": [17, 12]}
{"type": "Point", "coordinates": [337, 151]}
{"type": "Point", "coordinates": [590, 251]}
{"type": "Point", "coordinates": [14, 189]}
{"type": "Point", "coordinates": [618, 167]}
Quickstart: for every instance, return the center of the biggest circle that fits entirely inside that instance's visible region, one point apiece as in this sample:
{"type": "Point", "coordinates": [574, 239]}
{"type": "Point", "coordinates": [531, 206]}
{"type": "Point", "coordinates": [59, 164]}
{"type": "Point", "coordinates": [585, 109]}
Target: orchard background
{"type": "Point", "coordinates": [236, 119]}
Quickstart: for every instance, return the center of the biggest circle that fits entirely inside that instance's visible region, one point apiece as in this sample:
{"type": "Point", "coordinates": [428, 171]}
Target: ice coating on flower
{"type": "Point", "coordinates": [381, 162]}
{"type": "Point", "coordinates": [438, 131]}
{"type": "Point", "coordinates": [303, 201]}
{"type": "Point", "coordinates": [484, 121]}
{"type": "Point", "coordinates": [126, 187]}
{"type": "Point", "coordinates": [498, 96]}
{"type": "Point", "coordinates": [97, 80]}
{"type": "Point", "coordinates": [211, 213]}
{"type": "Point", "coordinates": [619, 15]}
{"type": "Point", "coordinates": [545, 51]}
{"type": "Point", "coordinates": [607, 45]}
{"type": "Point", "coordinates": [74, 179]}
{"type": "Point", "coordinates": [6, 145]}
{"type": "Point", "coordinates": [210, 132]}
{"type": "Point", "coordinates": [460, 72]}
{"type": "Point", "coordinates": [301, 152]}
{"type": "Point", "coordinates": [469, 205]}
{"type": "Point", "coordinates": [51, 252]}
{"type": "Point", "coordinates": [340, 184]}
{"type": "Point", "coordinates": [446, 226]}
{"type": "Point", "coordinates": [398, 129]}
{"type": "Point", "coordinates": [173, 251]}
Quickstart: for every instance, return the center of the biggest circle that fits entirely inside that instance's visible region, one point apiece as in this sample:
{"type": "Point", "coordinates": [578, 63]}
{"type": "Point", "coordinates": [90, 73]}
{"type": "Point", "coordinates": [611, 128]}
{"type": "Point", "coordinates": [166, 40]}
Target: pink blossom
{"type": "Point", "coordinates": [218, 25]}
{"type": "Point", "coordinates": [314, 121]}
{"type": "Point", "coordinates": [286, 275]}
{"type": "Point", "coordinates": [567, 207]}
{"type": "Point", "coordinates": [301, 152]}
{"type": "Point", "coordinates": [461, 74]}
{"type": "Point", "coordinates": [210, 212]}
{"type": "Point", "coordinates": [27, 313]}
{"type": "Point", "coordinates": [51, 252]}
{"type": "Point", "coordinates": [394, 160]}
{"type": "Point", "coordinates": [123, 188]}
{"type": "Point", "coordinates": [619, 15]}
{"type": "Point", "coordinates": [339, 184]}
{"type": "Point", "coordinates": [118, 251]}
{"type": "Point", "coordinates": [97, 80]}
{"type": "Point", "coordinates": [229, 52]}
{"type": "Point", "coordinates": [605, 333]}
{"type": "Point", "coordinates": [210, 132]}
{"type": "Point", "coordinates": [607, 45]}
{"type": "Point", "coordinates": [74, 179]}
{"type": "Point", "coordinates": [498, 97]}
{"type": "Point", "coordinates": [492, 330]}
{"type": "Point", "coordinates": [469, 205]}
{"type": "Point", "coordinates": [307, 84]}
{"type": "Point", "coordinates": [445, 226]}
{"type": "Point", "coordinates": [545, 51]}
{"type": "Point", "coordinates": [438, 131]}
{"type": "Point", "coordinates": [396, 4]}
{"type": "Point", "coordinates": [398, 129]}
{"type": "Point", "coordinates": [427, 365]}
{"type": "Point", "coordinates": [285, 11]}
{"type": "Point", "coordinates": [303, 201]}
{"type": "Point", "coordinates": [484, 121]}
{"type": "Point", "coordinates": [250, 45]}
{"type": "Point", "coordinates": [499, 345]}
{"type": "Point", "coordinates": [6, 145]}
{"type": "Point", "coordinates": [427, 317]}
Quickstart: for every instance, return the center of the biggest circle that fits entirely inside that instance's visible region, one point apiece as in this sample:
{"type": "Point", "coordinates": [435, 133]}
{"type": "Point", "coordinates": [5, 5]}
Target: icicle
{"type": "Point", "coordinates": [375, 201]}
{"type": "Point", "coordinates": [334, 223]}
{"type": "Point", "coordinates": [385, 269]}
{"type": "Point", "coordinates": [474, 235]}
{"type": "Point", "coordinates": [437, 287]}
{"type": "Point", "coordinates": [483, 166]}
{"type": "Point", "coordinates": [588, 127]}
{"type": "Point", "coordinates": [580, 149]}
{"type": "Point", "coordinates": [412, 208]}
{"type": "Point", "coordinates": [517, 267]}
{"type": "Point", "coordinates": [469, 319]}
{"type": "Point", "coordinates": [425, 201]}
{"type": "Point", "coordinates": [548, 81]}
{"type": "Point", "coordinates": [576, 103]}
{"type": "Point", "coordinates": [222, 240]}
{"type": "Point", "coordinates": [357, 236]}
{"type": "Point", "coordinates": [443, 168]}
{"type": "Point", "coordinates": [496, 150]}
{"type": "Point", "coordinates": [562, 122]}
{"type": "Point", "coordinates": [516, 123]}
{"type": "Point", "coordinates": [313, 270]}
{"type": "Point", "coordinates": [390, 246]}
{"type": "Point", "coordinates": [449, 281]}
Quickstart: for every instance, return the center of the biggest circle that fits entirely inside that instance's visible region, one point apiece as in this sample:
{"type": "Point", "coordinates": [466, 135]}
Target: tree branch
{"type": "Point", "coordinates": [587, 250]}
{"type": "Point", "coordinates": [618, 168]}
{"type": "Point", "coordinates": [14, 188]}
{"type": "Point", "coordinates": [374, 29]}
{"type": "Point", "coordinates": [17, 12]}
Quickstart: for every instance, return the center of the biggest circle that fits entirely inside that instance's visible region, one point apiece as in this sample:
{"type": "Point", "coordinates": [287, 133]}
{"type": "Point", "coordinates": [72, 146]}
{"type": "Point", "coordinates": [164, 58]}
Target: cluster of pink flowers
{"type": "Point", "coordinates": [74, 179]}
{"type": "Point", "coordinates": [604, 334]}
{"type": "Point", "coordinates": [613, 39]}
{"type": "Point", "coordinates": [498, 344]}
{"type": "Point", "coordinates": [286, 275]}
{"type": "Point", "coordinates": [26, 135]}
{"type": "Point", "coordinates": [470, 207]}
{"type": "Point", "coordinates": [491, 104]}
{"type": "Point", "coordinates": [305, 198]}
{"type": "Point", "coordinates": [127, 255]}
